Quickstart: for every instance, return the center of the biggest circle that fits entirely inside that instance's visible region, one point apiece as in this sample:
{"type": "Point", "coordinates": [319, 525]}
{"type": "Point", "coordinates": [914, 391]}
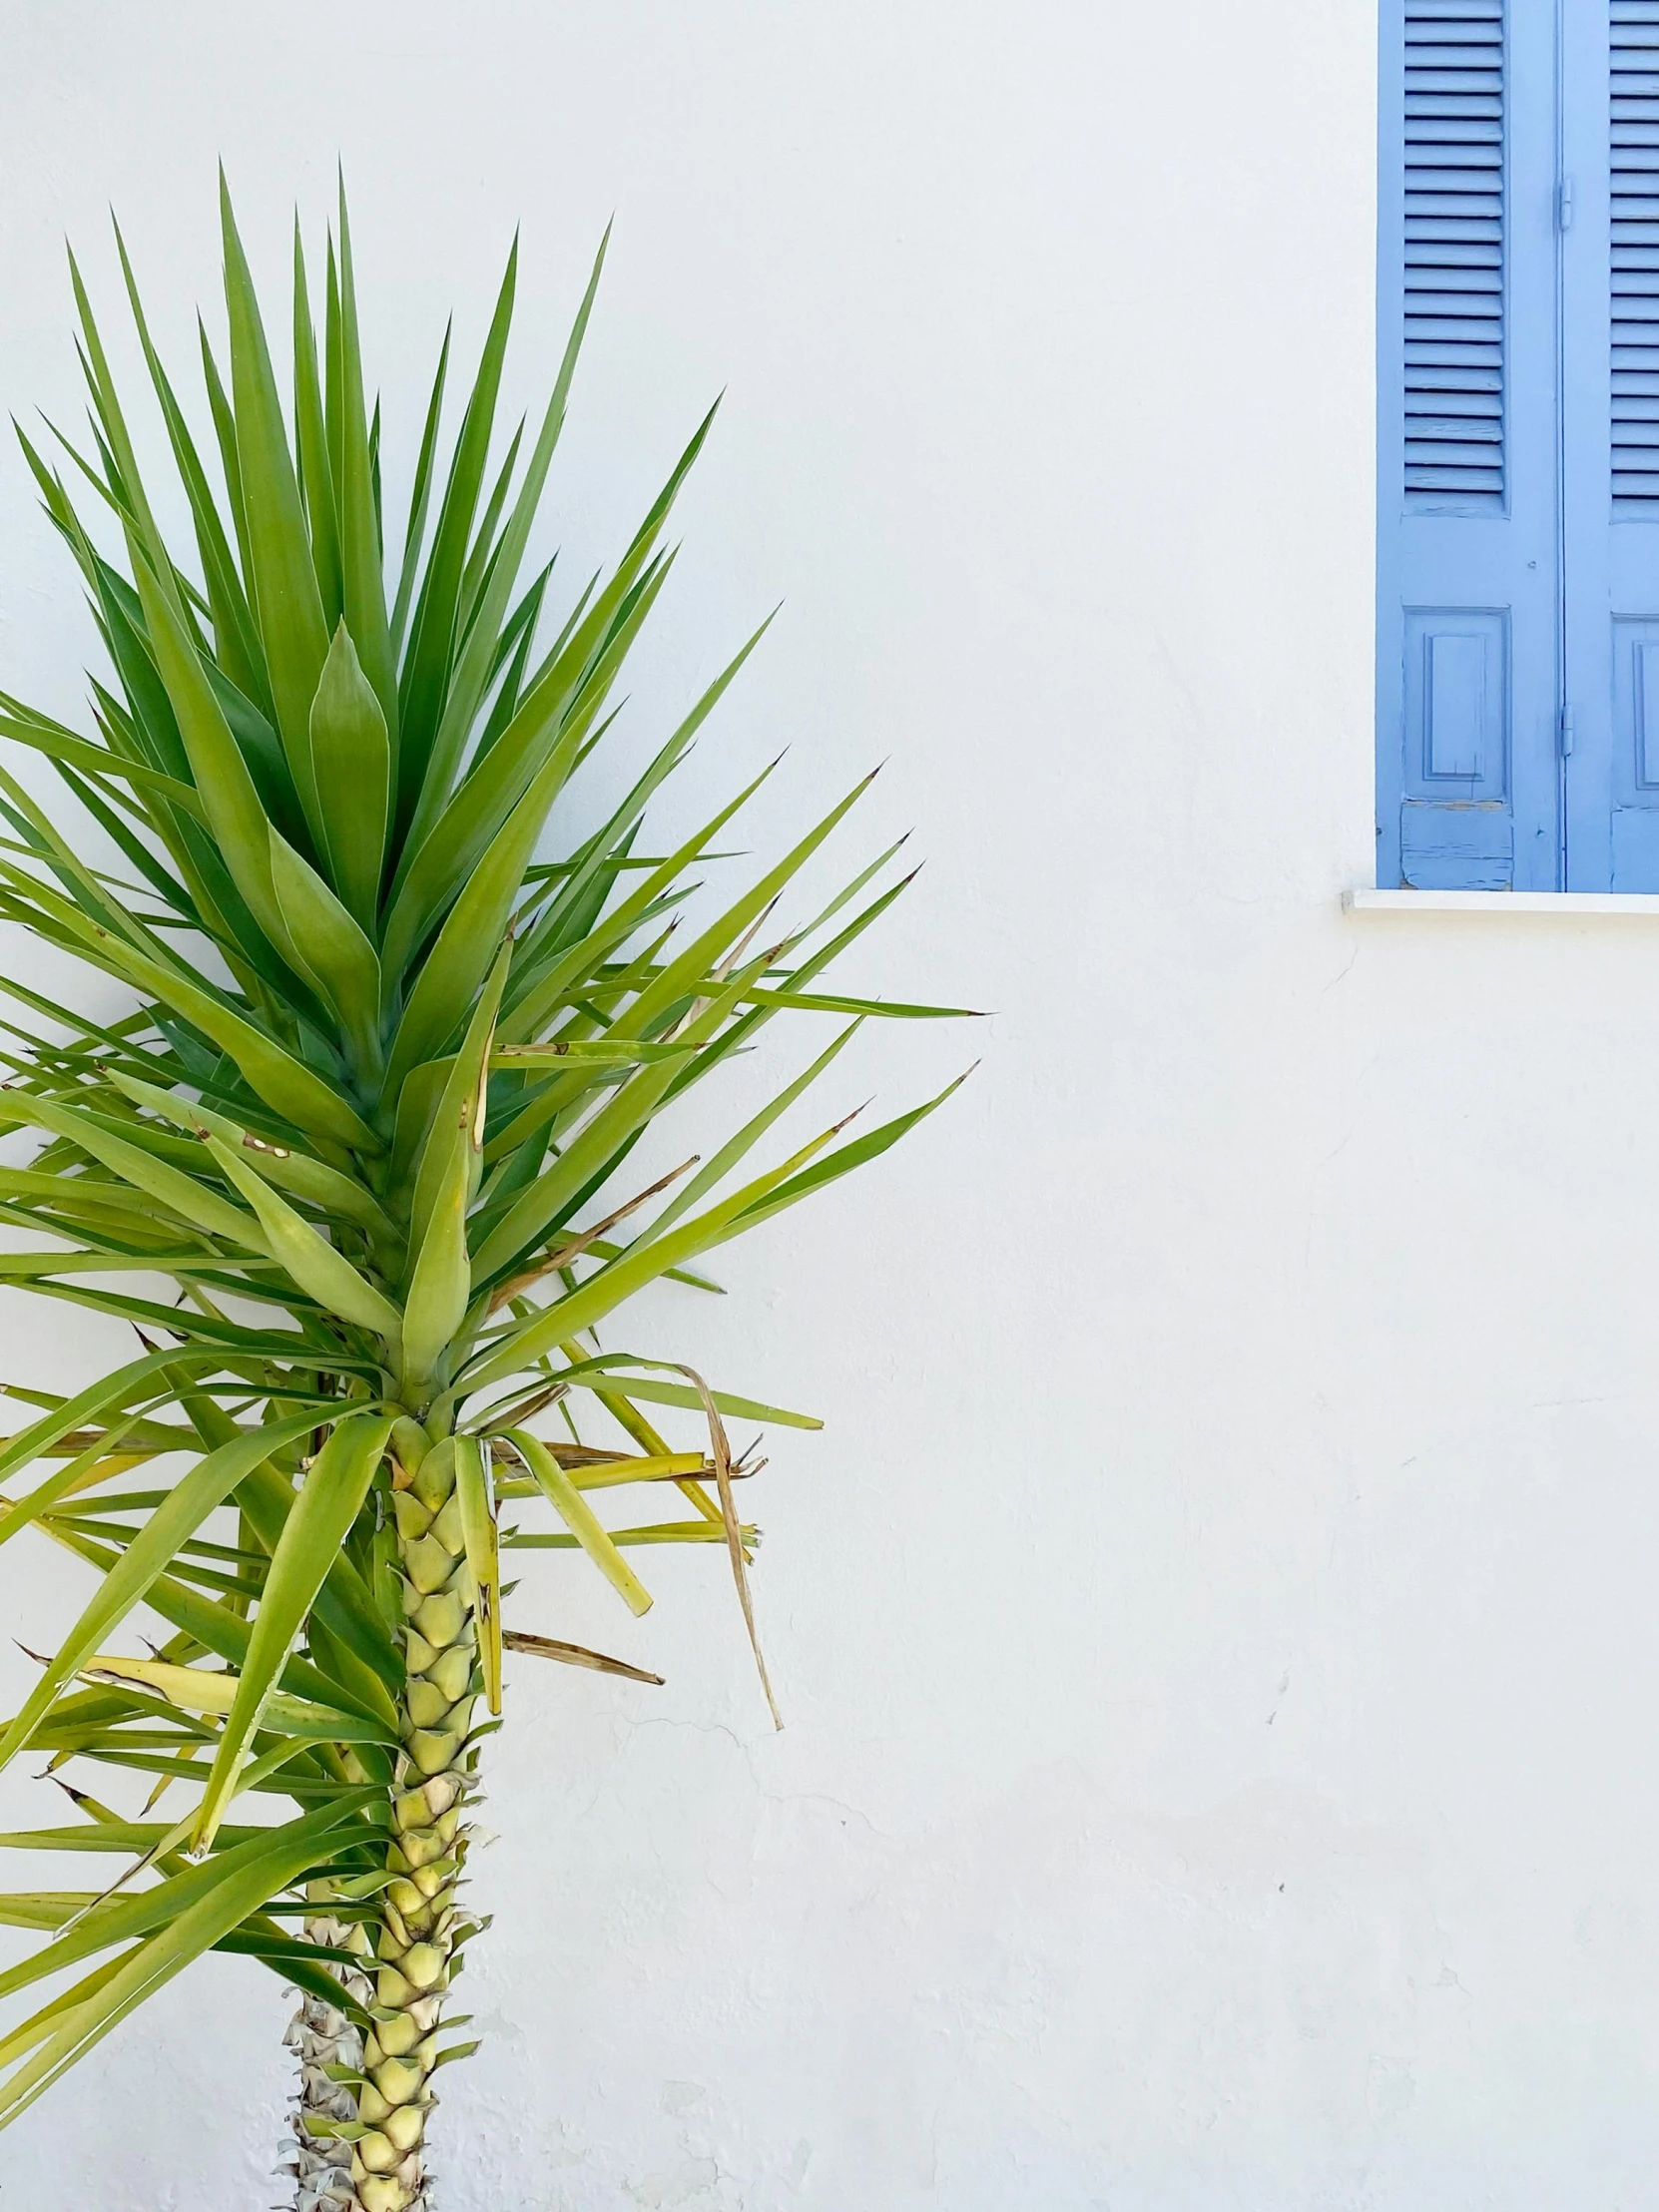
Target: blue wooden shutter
{"type": "Point", "coordinates": [1610, 441]}
{"type": "Point", "coordinates": [1468, 784]}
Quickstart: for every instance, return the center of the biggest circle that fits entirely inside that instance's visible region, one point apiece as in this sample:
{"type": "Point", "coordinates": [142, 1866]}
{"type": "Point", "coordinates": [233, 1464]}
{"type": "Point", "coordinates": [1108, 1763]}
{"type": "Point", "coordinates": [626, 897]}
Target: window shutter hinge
{"type": "Point", "coordinates": [1563, 205]}
{"type": "Point", "coordinates": [1567, 733]}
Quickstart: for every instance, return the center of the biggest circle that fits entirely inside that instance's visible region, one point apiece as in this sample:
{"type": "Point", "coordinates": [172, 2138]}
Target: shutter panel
{"type": "Point", "coordinates": [1610, 442]}
{"type": "Point", "coordinates": [1627, 614]}
{"type": "Point", "coordinates": [1468, 791]}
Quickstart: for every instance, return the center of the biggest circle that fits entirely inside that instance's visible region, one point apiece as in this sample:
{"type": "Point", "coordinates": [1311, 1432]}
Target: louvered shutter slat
{"type": "Point", "coordinates": [1480, 406]}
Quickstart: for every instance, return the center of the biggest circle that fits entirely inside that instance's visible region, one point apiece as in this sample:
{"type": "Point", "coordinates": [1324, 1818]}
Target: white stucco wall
{"type": "Point", "coordinates": [1216, 1628]}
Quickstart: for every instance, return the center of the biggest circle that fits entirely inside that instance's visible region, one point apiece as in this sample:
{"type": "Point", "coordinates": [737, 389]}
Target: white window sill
{"type": "Point", "coordinates": [1565, 906]}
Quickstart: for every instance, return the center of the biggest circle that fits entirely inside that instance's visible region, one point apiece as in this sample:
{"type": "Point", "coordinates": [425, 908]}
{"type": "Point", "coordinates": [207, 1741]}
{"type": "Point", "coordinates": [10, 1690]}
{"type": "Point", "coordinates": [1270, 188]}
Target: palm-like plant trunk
{"type": "Point", "coordinates": [414, 1944]}
{"type": "Point", "coordinates": [326, 2043]}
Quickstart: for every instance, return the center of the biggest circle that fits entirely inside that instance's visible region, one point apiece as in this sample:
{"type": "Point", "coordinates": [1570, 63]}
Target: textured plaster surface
{"type": "Point", "coordinates": [1216, 1628]}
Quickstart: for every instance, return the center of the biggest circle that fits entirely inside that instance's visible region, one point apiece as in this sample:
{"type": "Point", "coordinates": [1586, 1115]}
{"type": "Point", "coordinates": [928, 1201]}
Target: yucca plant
{"type": "Point", "coordinates": [390, 1041]}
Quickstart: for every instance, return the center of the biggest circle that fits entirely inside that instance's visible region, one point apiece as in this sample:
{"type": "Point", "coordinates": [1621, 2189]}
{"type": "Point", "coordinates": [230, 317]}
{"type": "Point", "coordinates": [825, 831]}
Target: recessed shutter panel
{"type": "Point", "coordinates": [1466, 779]}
